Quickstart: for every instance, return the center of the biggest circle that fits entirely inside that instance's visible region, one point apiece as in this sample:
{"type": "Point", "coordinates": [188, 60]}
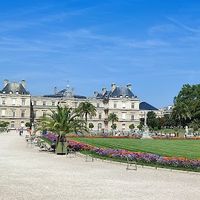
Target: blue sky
{"type": "Point", "coordinates": [152, 44]}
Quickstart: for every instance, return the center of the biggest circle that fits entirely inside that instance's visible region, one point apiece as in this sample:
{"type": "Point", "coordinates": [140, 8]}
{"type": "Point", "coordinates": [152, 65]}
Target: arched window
{"type": "Point", "coordinates": [99, 126]}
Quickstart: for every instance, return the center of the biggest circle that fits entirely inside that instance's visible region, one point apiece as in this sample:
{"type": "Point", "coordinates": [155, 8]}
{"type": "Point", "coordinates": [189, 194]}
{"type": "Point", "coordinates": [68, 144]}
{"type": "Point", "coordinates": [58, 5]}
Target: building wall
{"type": "Point", "coordinates": [15, 109]}
{"type": "Point", "coordinates": [18, 109]}
{"type": "Point", "coordinates": [126, 109]}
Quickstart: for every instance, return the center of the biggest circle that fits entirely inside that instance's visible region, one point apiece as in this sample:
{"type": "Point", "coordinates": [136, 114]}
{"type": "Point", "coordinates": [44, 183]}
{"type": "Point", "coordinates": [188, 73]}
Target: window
{"type": "Point", "coordinates": [123, 115]}
{"type": "Point", "coordinates": [34, 103]}
{"type": "Point", "coordinates": [3, 113]}
{"type": "Point", "coordinates": [35, 114]}
{"type": "Point", "coordinates": [3, 101]}
{"type": "Point", "coordinates": [100, 116]}
{"type": "Point", "coordinates": [12, 124]}
{"type": "Point", "coordinates": [133, 105]}
{"type": "Point", "coordinates": [132, 117]}
{"type": "Point", "coordinates": [44, 114]}
{"type": "Point", "coordinates": [13, 113]}
{"type": "Point", "coordinates": [115, 105]}
{"type": "Point", "coordinates": [23, 113]}
{"type": "Point", "coordinates": [13, 102]}
{"type": "Point", "coordinates": [44, 103]}
{"type": "Point", "coordinates": [99, 126]}
{"type": "Point", "coordinates": [123, 105]}
{"type": "Point", "coordinates": [23, 102]}
{"type": "Point", "coordinates": [97, 105]}
{"type": "Point", "coordinates": [90, 116]}
{"type": "Point", "coordinates": [53, 103]}
{"type": "Point", "coordinates": [22, 124]}
{"type": "Point", "coordinates": [123, 127]}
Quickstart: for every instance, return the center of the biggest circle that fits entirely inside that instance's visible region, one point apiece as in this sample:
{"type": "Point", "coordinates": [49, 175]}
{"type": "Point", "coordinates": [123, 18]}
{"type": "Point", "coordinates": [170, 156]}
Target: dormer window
{"type": "Point", "coordinates": [10, 92]}
{"type": "Point", "coordinates": [17, 92]}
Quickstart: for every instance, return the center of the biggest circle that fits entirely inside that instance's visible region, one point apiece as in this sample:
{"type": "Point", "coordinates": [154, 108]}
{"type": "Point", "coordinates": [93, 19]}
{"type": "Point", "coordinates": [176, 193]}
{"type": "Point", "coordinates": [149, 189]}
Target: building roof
{"type": "Point", "coordinates": [68, 92]}
{"type": "Point", "coordinates": [14, 88]}
{"type": "Point", "coordinates": [146, 106]}
{"type": "Point", "coordinates": [122, 91]}
{"type": "Point", "coordinates": [116, 93]}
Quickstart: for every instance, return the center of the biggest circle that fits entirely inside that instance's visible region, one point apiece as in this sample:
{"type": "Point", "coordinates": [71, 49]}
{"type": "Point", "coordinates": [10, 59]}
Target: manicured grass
{"type": "Point", "coordinates": [177, 148]}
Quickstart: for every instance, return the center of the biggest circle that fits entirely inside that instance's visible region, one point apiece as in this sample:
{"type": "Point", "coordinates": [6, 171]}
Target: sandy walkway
{"type": "Point", "coordinates": [27, 174]}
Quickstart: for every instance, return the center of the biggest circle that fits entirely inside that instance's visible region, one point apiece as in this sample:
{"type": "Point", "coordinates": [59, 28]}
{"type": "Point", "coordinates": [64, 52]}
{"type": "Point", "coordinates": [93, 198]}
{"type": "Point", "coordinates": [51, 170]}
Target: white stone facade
{"type": "Point", "coordinates": [20, 107]}
{"type": "Point", "coordinates": [15, 109]}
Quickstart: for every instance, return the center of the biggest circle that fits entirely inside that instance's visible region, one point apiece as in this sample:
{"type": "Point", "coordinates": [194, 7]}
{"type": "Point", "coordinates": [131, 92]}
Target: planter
{"type": "Point", "coordinates": [60, 148]}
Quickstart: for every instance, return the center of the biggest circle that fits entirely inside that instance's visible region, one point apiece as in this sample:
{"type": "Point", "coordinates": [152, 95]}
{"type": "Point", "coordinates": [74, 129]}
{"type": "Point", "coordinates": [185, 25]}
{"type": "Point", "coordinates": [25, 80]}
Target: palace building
{"type": "Point", "coordinates": [18, 107]}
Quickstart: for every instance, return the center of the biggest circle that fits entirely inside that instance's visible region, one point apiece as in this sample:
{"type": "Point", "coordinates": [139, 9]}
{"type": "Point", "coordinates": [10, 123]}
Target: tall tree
{"type": "Point", "coordinates": [62, 121]}
{"type": "Point", "coordinates": [187, 105]}
{"type": "Point", "coordinates": [85, 109]}
{"type": "Point", "coordinates": [113, 118]}
{"type": "Point", "coordinates": [152, 121]}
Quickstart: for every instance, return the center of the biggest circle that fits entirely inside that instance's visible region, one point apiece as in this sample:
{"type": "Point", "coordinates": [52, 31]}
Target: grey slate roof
{"type": "Point", "coordinates": [122, 91]}
{"type": "Point", "coordinates": [146, 106]}
{"type": "Point", "coordinates": [14, 88]}
{"type": "Point", "coordinates": [63, 93]}
{"type": "Point", "coordinates": [116, 93]}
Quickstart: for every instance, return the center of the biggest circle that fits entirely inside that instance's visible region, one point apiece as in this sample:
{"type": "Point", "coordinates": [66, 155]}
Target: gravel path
{"type": "Point", "coordinates": [27, 174]}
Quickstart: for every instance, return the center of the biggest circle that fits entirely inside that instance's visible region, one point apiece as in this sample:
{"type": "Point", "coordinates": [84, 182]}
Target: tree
{"type": "Point", "coordinates": [152, 121]}
{"type": "Point", "coordinates": [91, 126]}
{"type": "Point", "coordinates": [187, 105]}
{"type": "Point", "coordinates": [131, 126]}
{"type": "Point", "coordinates": [140, 126]}
{"type": "Point", "coordinates": [114, 126]}
{"type": "Point", "coordinates": [62, 121]}
{"type": "Point", "coordinates": [85, 109]}
{"type": "Point", "coordinates": [113, 118]}
{"type": "Point", "coordinates": [4, 126]}
{"type": "Point", "coordinates": [28, 124]}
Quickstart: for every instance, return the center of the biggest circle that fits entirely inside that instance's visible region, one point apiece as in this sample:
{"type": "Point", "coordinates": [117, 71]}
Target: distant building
{"type": "Point", "coordinates": [146, 107]}
{"type": "Point", "coordinates": [17, 106]}
{"type": "Point", "coordinates": [166, 110]}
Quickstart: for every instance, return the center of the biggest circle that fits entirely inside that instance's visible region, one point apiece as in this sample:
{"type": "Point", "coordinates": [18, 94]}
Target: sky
{"type": "Point", "coordinates": [89, 44]}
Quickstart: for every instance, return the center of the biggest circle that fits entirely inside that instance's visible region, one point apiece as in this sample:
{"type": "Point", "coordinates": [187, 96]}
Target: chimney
{"type": "Point", "coordinates": [55, 90]}
{"type": "Point", "coordinates": [23, 82]}
{"type": "Point", "coordinates": [129, 86]}
{"type": "Point", "coordinates": [5, 82]}
{"type": "Point", "coordinates": [103, 90]}
{"type": "Point", "coordinates": [95, 93]}
{"type": "Point", "coordinates": [113, 86]}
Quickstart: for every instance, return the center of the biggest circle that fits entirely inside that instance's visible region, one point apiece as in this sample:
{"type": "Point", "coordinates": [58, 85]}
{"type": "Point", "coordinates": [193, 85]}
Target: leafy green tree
{"type": "Point", "coordinates": [152, 121]}
{"type": "Point", "coordinates": [113, 118]}
{"type": "Point", "coordinates": [28, 124]}
{"type": "Point", "coordinates": [140, 126]}
{"type": "Point", "coordinates": [91, 126]}
{"type": "Point", "coordinates": [85, 109]}
{"type": "Point", "coordinates": [4, 126]}
{"type": "Point", "coordinates": [187, 105]}
{"type": "Point", "coordinates": [61, 122]}
{"type": "Point", "coordinates": [131, 127]}
{"type": "Point", "coordinates": [114, 126]}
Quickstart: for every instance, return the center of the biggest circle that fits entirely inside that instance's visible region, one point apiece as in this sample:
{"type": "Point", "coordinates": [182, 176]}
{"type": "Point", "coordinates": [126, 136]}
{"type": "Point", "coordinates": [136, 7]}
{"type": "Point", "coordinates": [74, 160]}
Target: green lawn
{"type": "Point", "coordinates": [178, 148]}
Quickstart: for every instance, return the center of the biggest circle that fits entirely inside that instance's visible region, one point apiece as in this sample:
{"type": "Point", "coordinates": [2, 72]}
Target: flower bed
{"type": "Point", "coordinates": [50, 136]}
{"type": "Point", "coordinates": [143, 158]}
